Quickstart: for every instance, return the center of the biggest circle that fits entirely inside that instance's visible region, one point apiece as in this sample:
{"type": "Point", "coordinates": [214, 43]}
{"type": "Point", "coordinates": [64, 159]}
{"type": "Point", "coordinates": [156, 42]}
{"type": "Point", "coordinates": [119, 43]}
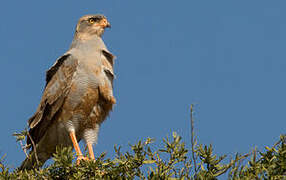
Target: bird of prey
{"type": "Point", "coordinates": [77, 98]}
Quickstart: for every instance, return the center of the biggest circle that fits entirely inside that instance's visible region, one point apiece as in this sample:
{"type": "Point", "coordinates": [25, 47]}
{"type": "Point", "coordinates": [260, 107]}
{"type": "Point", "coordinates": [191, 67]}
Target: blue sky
{"type": "Point", "coordinates": [226, 57]}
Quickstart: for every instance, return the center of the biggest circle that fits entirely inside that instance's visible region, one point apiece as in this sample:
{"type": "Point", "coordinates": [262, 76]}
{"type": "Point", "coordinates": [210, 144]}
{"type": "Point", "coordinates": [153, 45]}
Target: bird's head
{"type": "Point", "coordinates": [90, 25]}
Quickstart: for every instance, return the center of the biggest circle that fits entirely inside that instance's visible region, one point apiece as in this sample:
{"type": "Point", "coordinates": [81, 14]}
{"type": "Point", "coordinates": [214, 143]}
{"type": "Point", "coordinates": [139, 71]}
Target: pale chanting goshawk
{"type": "Point", "coordinates": [77, 98]}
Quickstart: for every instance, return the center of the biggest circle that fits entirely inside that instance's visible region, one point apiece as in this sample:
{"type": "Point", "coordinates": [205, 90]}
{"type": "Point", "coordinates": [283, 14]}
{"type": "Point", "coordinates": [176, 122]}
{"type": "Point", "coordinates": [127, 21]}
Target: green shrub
{"type": "Point", "coordinates": [172, 161]}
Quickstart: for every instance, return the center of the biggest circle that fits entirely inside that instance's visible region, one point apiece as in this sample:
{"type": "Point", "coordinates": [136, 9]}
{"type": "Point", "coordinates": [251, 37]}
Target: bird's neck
{"type": "Point", "coordinates": [87, 35]}
{"type": "Point", "coordinates": [92, 43]}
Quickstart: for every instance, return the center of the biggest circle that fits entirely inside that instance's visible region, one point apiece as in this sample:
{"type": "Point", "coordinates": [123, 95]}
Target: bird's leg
{"type": "Point", "coordinates": [77, 148]}
{"type": "Point", "coordinates": [90, 151]}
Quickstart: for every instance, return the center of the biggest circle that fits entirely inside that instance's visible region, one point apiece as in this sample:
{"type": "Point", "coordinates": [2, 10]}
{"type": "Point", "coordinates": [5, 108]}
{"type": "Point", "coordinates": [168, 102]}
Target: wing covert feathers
{"type": "Point", "coordinates": [58, 82]}
{"type": "Point", "coordinates": [110, 57]}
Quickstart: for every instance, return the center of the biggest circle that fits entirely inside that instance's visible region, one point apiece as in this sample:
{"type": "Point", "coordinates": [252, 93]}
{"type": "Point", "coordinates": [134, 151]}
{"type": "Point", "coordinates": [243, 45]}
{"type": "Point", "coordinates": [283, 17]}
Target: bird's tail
{"type": "Point", "coordinates": [34, 161]}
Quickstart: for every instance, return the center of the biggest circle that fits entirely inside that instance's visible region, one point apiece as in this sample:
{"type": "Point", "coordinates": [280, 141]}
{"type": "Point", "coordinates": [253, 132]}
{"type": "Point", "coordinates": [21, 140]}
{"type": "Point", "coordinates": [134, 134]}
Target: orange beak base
{"type": "Point", "coordinates": [104, 23]}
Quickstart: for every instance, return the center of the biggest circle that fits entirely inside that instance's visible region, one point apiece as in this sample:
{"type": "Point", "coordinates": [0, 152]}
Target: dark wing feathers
{"type": "Point", "coordinates": [108, 65]}
{"type": "Point", "coordinates": [55, 67]}
{"type": "Point", "coordinates": [110, 57]}
{"type": "Point", "coordinates": [58, 81]}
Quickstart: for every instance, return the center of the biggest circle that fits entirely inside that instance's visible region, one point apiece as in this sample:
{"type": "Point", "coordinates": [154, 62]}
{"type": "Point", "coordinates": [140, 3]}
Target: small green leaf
{"type": "Point", "coordinates": [149, 161]}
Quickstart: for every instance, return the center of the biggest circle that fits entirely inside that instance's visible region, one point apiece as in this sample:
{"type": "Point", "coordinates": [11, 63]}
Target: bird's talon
{"type": "Point", "coordinates": [80, 158]}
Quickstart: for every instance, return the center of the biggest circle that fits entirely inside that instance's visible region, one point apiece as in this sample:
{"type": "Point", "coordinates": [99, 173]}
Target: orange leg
{"type": "Point", "coordinates": [90, 151]}
{"type": "Point", "coordinates": [77, 149]}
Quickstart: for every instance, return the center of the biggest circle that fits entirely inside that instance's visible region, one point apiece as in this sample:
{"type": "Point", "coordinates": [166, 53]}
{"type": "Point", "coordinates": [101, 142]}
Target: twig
{"type": "Point", "coordinates": [282, 139]}
{"type": "Point", "coordinates": [24, 148]}
{"type": "Point", "coordinates": [254, 154]}
{"type": "Point", "coordinates": [192, 139]}
{"type": "Point", "coordinates": [239, 160]}
{"type": "Point", "coordinates": [34, 147]}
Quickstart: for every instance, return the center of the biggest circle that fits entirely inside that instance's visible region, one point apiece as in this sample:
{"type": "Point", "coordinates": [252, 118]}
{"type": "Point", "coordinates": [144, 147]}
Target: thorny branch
{"type": "Point", "coordinates": [34, 147]}
{"type": "Point", "coordinates": [192, 139]}
{"type": "Point", "coordinates": [24, 148]}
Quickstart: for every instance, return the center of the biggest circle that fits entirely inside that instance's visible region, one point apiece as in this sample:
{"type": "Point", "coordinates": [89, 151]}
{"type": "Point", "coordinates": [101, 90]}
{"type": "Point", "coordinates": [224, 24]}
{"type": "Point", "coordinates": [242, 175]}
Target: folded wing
{"type": "Point", "coordinates": [58, 83]}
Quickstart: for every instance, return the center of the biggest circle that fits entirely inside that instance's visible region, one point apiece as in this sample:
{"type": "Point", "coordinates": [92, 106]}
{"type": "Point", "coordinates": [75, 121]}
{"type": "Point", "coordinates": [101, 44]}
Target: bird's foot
{"type": "Point", "coordinates": [80, 158]}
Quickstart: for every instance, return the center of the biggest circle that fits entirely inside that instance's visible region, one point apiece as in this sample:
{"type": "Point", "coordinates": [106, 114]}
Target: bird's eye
{"type": "Point", "coordinates": [91, 21]}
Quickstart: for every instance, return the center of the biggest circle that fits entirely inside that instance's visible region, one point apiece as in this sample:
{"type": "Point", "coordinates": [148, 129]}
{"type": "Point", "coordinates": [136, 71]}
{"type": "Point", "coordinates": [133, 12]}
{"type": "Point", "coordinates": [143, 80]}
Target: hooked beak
{"type": "Point", "coordinates": [104, 23]}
